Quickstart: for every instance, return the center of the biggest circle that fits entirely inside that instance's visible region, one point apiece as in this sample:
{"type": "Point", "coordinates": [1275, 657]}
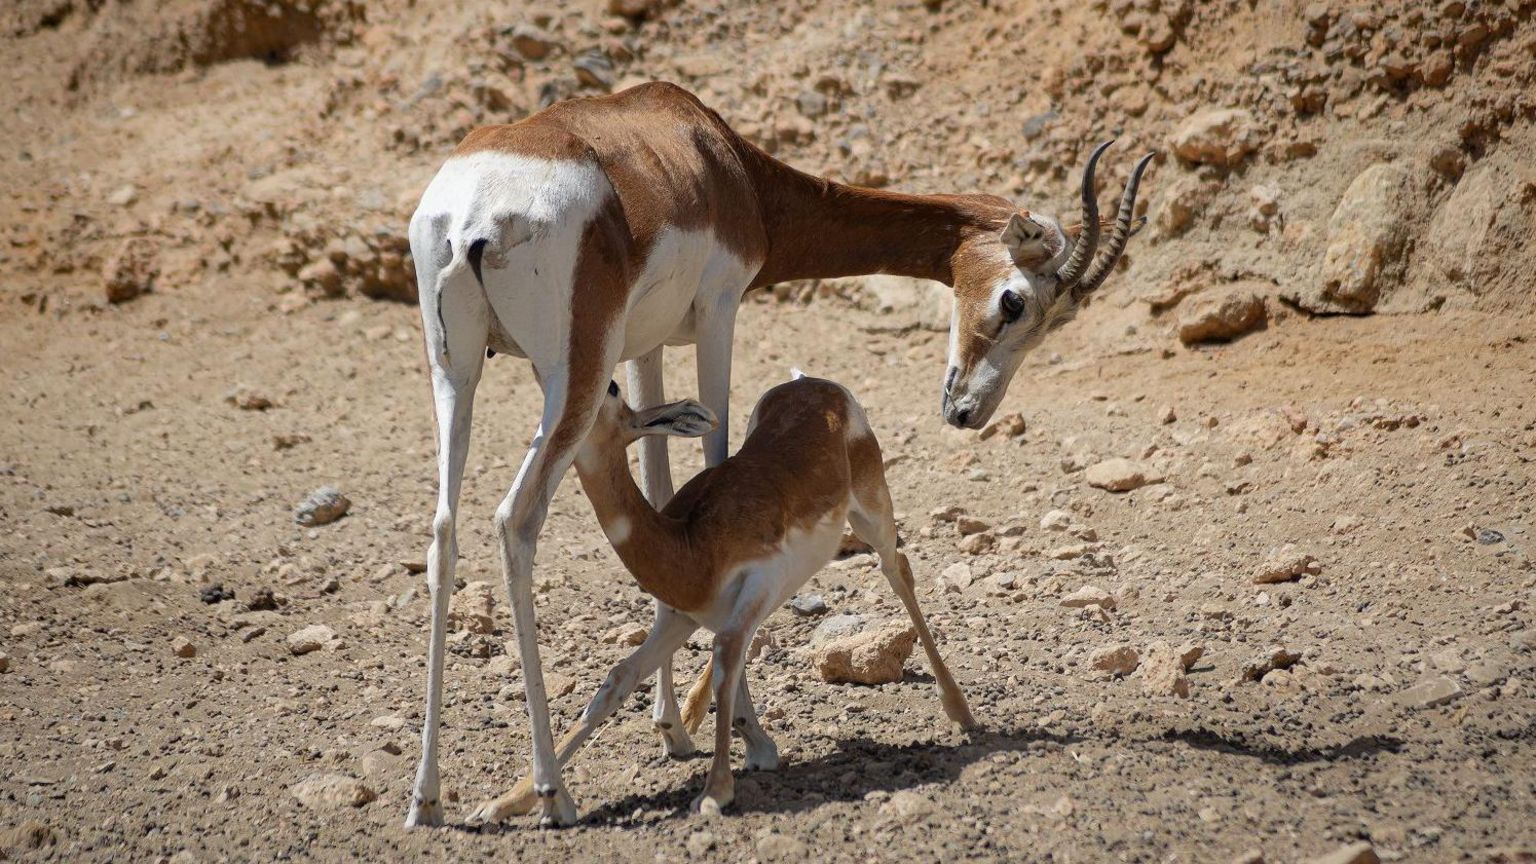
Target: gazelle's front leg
{"type": "Point", "coordinates": [670, 632]}
{"type": "Point", "coordinates": [645, 391]}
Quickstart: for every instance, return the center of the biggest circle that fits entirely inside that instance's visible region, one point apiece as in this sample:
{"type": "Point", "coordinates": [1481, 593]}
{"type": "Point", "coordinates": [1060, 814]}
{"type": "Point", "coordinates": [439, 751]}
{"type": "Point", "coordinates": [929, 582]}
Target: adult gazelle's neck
{"type": "Point", "coordinates": [820, 229]}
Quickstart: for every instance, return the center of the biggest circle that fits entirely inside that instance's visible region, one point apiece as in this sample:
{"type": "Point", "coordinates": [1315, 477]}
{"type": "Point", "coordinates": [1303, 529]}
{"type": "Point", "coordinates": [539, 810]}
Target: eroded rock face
{"type": "Point", "coordinates": [1466, 246]}
{"type": "Point", "coordinates": [1367, 238]}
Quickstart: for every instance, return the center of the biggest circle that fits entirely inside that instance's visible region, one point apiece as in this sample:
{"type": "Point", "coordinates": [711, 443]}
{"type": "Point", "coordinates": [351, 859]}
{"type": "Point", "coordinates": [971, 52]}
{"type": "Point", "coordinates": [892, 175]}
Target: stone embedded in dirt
{"type": "Point", "coordinates": [311, 638]}
{"type": "Point", "coordinates": [473, 609]}
{"type": "Point", "coordinates": [1252, 856]}
{"type": "Point", "coordinates": [808, 605]}
{"type": "Point", "coordinates": [977, 544]}
{"type": "Point", "coordinates": [624, 634]}
{"type": "Point", "coordinates": [763, 640]}
{"type": "Point", "coordinates": [248, 398]}
{"type": "Point", "coordinates": [1216, 136]}
{"type": "Point", "coordinates": [1180, 203]}
{"type": "Point", "coordinates": [215, 593]}
{"type": "Point", "coordinates": [946, 514]}
{"type": "Point", "coordinates": [123, 196]}
{"type": "Point", "coordinates": [1162, 672]}
{"type": "Point", "coordinates": [906, 806]}
{"type": "Point", "coordinates": [28, 836]}
{"type": "Point", "coordinates": [774, 846]}
{"type": "Point", "coordinates": [262, 600]}
{"type": "Point", "coordinates": [181, 646]}
{"type": "Point", "coordinates": [1285, 564]}
{"type": "Point", "coordinates": [332, 792]}
{"type": "Point", "coordinates": [5, 662]}
{"type": "Point", "coordinates": [1367, 234]}
{"type": "Point", "coordinates": [1008, 426]}
{"type": "Point", "coordinates": [1116, 661]}
{"type": "Point", "coordinates": [872, 657]}
{"type": "Point", "coordinates": [323, 506]}
{"type": "Point", "coordinates": [533, 42]}
{"type": "Point", "coordinates": [1121, 475]}
{"type": "Point", "coordinates": [131, 270]}
{"type": "Point", "coordinates": [699, 843]}
{"type": "Point", "coordinates": [956, 578]}
{"type": "Point", "coordinates": [1273, 658]}
{"type": "Point", "coordinates": [969, 525]}
{"type": "Point", "coordinates": [1221, 315]}
{"type": "Point", "coordinates": [836, 627]}
{"type": "Point", "coordinates": [594, 69]}
{"type": "Point", "coordinates": [1089, 595]}
{"type": "Point", "coordinates": [1355, 853]}
{"type": "Point", "coordinates": [634, 8]}
{"type": "Point", "coordinates": [1432, 692]}
{"type": "Point", "coordinates": [1056, 520]}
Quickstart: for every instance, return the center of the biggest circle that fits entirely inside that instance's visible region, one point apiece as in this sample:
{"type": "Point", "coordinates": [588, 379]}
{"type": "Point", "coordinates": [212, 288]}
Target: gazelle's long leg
{"type": "Point", "coordinates": [874, 522]}
{"type": "Point", "coordinates": [454, 323]}
{"type": "Point", "coordinates": [646, 390]}
{"type": "Point", "coordinates": [754, 602]}
{"type": "Point", "coordinates": [671, 631]}
{"type": "Point", "coordinates": [762, 753]}
{"type": "Point", "coordinates": [716, 330]}
{"type": "Point", "coordinates": [571, 401]}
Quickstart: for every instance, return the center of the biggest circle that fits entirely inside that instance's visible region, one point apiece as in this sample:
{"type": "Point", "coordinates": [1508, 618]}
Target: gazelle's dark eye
{"type": "Point", "coordinates": [1012, 305]}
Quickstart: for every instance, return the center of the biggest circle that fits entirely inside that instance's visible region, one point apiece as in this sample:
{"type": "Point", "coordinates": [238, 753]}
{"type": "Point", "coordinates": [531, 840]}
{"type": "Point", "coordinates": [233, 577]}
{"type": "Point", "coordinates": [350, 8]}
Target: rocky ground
{"type": "Point", "coordinates": [1243, 577]}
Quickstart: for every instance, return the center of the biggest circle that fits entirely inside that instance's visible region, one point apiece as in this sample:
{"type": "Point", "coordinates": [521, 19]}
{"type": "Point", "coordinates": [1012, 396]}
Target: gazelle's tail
{"type": "Point", "coordinates": [697, 703]}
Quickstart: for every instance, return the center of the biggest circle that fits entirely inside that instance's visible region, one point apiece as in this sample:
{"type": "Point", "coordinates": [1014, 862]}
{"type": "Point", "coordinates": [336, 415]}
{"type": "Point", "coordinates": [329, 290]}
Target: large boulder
{"type": "Point", "coordinates": [1479, 240]}
{"type": "Point", "coordinates": [1221, 315]}
{"type": "Point", "coordinates": [1366, 244]}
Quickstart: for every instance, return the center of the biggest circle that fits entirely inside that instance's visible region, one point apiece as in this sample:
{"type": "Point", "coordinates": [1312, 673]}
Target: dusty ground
{"type": "Point", "coordinates": [259, 176]}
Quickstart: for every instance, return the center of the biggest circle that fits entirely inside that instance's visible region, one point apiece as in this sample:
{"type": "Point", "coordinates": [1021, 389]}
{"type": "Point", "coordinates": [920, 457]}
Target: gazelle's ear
{"type": "Point", "coordinates": [685, 419]}
{"type": "Point", "coordinates": [1028, 242]}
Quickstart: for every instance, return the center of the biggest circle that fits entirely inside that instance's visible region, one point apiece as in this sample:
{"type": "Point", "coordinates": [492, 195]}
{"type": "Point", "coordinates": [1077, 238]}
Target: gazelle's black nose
{"type": "Point", "coordinates": [963, 417]}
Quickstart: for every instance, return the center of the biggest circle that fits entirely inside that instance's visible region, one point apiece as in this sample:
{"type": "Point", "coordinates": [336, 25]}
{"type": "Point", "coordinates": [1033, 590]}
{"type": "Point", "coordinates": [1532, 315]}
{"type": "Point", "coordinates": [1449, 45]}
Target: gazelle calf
{"type": "Point", "coordinates": [732, 546]}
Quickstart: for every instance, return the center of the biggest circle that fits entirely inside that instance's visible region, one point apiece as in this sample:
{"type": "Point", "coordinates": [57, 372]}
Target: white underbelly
{"type": "Point", "coordinates": [685, 271]}
{"type": "Point", "coordinates": [801, 556]}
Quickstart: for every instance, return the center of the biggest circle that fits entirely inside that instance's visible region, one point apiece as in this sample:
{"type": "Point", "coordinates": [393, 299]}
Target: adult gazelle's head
{"type": "Point", "coordinates": [1014, 286]}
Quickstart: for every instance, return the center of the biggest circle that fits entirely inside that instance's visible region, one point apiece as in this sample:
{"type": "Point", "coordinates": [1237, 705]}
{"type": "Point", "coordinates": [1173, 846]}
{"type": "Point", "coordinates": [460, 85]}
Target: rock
{"type": "Point", "coordinates": [1056, 520]}
{"type": "Point", "coordinates": [1432, 692]}
{"type": "Point", "coordinates": [1265, 204]}
{"type": "Point", "coordinates": [1355, 853]}
{"type": "Point", "coordinates": [1448, 661]}
{"type": "Point", "coordinates": [473, 609]}
{"type": "Point", "coordinates": [625, 634]}
{"type": "Point", "coordinates": [1182, 203]}
{"type": "Point", "coordinates": [215, 594]}
{"type": "Point", "coordinates": [774, 846]}
{"type": "Point", "coordinates": [808, 605]}
{"type": "Point", "coordinates": [1272, 659]}
{"type": "Point", "coordinates": [956, 578]}
{"type": "Point", "coordinates": [1482, 673]}
{"type": "Point", "coordinates": [123, 196]}
{"type": "Point", "coordinates": [323, 276]}
{"type": "Point", "coordinates": [181, 646]}
{"type": "Point", "coordinates": [131, 270]}
{"type": "Point", "coordinates": [872, 657]}
{"type": "Point", "coordinates": [594, 69]}
{"type": "Point", "coordinates": [1467, 242]}
{"type": "Point", "coordinates": [1008, 426]}
{"type": "Point", "coordinates": [906, 806]}
{"type": "Point", "coordinates": [323, 506]}
{"type": "Point", "coordinates": [1166, 415]}
{"type": "Point", "coordinates": [1217, 136]}
{"type": "Point", "coordinates": [1221, 315]}
{"type": "Point", "coordinates": [332, 792]}
{"type": "Point", "coordinates": [977, 544]}
{"type": "Point", "coordinates": [836, 627]}
{"type": "Point", "coordinates": [969, 525]}
{"type": "Point", "coordinates": [27, 836]}
{"type": "Point", "coordinates": [700, 842]}
{"type": "Point", "coordinates": [5, 662]}
{"type": "Point", "coordinates": [634, 8]}
{"type": "Point", "coordinates": [1285, 564]}
{"type": "Point", "coordinates": [1115, 661]}
{"type": "Point", "coordinates": [383, 766]}
{"type": "Point", "coordinates": [1162, 674]}
{"type": "Point", "coordinates": [248, 398]}
{"type": "Point", "coordinates": [533, 42]}
{"type": "Point", "coordinates": [1367, 234]}
{"type": "Point", "coordinates": [261, 600]}
{"type": "Point", "coordinates": [311, 638]}
{"type": "Point", "coordinates": [1121, 475]}
{"type": "Point", "coordinates": [1089, 595]}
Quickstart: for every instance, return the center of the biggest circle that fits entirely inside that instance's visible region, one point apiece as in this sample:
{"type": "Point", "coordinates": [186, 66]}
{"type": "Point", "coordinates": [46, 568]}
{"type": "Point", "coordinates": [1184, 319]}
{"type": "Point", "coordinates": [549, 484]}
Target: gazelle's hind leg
{"type": "Point", "coordinates": [762, 753]}
{"type": "Point", "coordinates": [454, 314]}
{"type": "Point", "coordinates": [645, 391]}
{"type": "Point", "coordinates": [873, 520]}
{"type": "Point", "coordinates": [671, 631]}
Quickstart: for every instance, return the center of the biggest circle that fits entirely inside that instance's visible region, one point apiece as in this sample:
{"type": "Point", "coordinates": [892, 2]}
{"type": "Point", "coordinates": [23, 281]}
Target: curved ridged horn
{"type": "Point", "coordinates": [1125, 225]}
{"type": "Point", "coordinates": [1088, 241]}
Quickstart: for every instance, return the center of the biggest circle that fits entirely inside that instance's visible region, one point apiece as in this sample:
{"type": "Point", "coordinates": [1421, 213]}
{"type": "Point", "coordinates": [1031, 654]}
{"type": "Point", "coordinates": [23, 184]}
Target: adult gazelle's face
{"type": "Point", "coordinates": [1015, 286]}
